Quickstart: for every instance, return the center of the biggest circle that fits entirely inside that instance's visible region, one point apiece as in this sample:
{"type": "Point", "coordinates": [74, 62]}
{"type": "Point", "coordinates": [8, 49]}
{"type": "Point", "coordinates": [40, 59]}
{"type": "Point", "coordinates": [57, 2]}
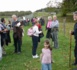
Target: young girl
{"type": "Point", "coordinates": [46, 56]}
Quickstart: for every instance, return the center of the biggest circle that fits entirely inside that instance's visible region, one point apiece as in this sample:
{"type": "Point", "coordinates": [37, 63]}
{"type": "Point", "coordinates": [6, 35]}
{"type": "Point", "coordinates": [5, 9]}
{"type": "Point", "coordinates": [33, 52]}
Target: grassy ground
{"type": "Point", "coordinates": [24, 61]}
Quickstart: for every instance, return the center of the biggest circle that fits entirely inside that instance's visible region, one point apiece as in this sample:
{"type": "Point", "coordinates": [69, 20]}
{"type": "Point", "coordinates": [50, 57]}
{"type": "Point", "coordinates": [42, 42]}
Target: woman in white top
{"type": "Point", "coordinates": [35, 36]}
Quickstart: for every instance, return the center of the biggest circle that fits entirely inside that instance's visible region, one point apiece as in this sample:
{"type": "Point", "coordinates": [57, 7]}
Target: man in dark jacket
{"type": "Point", "coordinates": [17, 34]}
{"type": "Point", "coordinates": [75, 36]}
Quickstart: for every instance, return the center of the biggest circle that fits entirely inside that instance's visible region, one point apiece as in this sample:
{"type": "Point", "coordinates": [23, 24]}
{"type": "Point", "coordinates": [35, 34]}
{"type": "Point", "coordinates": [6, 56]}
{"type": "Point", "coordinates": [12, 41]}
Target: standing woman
{"type": "Point", "coordinates": [35, 36]}
{"type": "Point", "coordinates": [49, 27]}
{"type": "Point", "coordinates": [8, 32]}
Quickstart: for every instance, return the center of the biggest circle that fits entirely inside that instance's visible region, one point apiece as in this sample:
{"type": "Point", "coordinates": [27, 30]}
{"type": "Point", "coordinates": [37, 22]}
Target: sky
{"type": "Point", "coordinates": [23, 5]}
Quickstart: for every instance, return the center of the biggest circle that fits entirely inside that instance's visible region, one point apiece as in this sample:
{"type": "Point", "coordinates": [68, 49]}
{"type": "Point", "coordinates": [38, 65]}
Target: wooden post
{"type": "Point", "coordinates": [64, 25]}
{"type": "Point", "coordinates": [70, 50]}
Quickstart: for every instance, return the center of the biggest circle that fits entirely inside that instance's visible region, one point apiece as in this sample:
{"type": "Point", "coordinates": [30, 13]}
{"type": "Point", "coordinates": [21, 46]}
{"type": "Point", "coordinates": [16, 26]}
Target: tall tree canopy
{"type": "Point", "coordinates": [68, 6]}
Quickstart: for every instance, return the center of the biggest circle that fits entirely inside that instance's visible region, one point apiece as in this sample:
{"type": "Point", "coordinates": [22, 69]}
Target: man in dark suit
{"type": "Point", "coordinates": [75, 36]}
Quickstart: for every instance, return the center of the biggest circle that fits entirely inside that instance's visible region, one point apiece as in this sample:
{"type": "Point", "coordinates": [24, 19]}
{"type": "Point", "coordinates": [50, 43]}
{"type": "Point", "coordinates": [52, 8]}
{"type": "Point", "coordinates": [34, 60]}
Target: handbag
{"type": "Point", "coordinates": [41, 35]}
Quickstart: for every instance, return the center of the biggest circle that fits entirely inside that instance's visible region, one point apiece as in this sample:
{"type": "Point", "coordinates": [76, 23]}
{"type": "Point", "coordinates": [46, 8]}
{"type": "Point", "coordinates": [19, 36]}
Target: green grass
{"type": "Point", "coordinates": [24, 61]}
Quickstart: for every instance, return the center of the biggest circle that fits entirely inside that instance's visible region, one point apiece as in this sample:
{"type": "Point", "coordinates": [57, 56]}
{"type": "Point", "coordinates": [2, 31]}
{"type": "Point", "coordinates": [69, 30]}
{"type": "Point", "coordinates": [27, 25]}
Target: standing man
{"type": "Point", "coordinates": [17, 34]}
{"type": "Point", "coordinates": [75, 36]}
{"type": "Point", "coordinates": [54, 31]}
{"type": "Point", "coordinates": [3, 35]}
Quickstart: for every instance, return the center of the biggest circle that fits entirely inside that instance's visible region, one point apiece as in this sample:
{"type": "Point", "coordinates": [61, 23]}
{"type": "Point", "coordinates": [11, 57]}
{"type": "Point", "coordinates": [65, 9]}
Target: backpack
{"type": "Point", "coordinates": [30, 32]}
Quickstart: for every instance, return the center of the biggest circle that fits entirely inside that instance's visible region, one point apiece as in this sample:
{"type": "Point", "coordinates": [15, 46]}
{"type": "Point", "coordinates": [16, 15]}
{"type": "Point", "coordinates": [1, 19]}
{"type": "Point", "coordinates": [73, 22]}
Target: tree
{"type": "Point", "coordinates": [68, 6]}
{"type": "Point", "coordinates": [65, 7]}
{"type": "Point", "coordinates": [73, 5]}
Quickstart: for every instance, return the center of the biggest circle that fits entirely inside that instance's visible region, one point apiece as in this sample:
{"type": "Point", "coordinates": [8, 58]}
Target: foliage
{"type": "Point", "coordinates": [10, 13]}
{"type": "Point", "coordinates": [49, 9]}
{"type": "Point", "coordinates": [68, 6]}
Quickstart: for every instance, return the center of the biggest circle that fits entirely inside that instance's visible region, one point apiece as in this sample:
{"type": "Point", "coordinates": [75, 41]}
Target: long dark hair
{"type": "Point", "coordinates": [48, 43]}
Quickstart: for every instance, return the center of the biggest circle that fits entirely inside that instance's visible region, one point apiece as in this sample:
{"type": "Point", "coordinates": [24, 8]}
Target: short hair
{"type": "Point", "coordinates": [75, 12]}
{"type": "Point", "coordinates": [14, 16]}
{"type": "Point", "coordinates": [49, 17]}
{"type": "Point", "coordinates": [2, 19]}
{"type": "Point", "coordinates": [54, 16]}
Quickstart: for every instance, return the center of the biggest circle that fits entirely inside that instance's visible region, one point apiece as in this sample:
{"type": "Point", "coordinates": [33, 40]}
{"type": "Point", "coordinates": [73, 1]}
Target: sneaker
{"type": "Point", "coordinates": [19, 52]}
{"type": "Point", "coordinates": [36, 56]}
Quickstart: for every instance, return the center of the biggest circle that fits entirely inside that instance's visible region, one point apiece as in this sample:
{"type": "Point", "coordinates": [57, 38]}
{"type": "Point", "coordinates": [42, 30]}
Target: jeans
{"type": "Point", "coordinates": [75, 52]}
{"type": "Point", "coordinates": [46, 66]}
{"type": "Point", "coordinates": [55, 38]}
{"type": "Point", "coordinates": [35, 45]}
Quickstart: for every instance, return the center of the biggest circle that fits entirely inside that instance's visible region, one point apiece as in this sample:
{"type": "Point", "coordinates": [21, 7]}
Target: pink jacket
{"type": "Point", "coordinates": [49, 24]}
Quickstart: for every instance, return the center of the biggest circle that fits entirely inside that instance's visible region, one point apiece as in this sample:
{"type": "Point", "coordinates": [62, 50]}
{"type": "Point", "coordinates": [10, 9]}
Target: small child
{"type": "Point", "coordinates": [46, 56]}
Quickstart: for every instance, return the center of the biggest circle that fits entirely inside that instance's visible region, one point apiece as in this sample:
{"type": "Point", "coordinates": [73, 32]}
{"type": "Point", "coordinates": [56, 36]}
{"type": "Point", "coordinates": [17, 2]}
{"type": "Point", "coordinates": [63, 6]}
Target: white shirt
{"type": "Point", "coordinates": [36, 31]}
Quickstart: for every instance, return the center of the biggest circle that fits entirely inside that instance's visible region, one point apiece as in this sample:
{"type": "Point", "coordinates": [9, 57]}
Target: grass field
{"type": "Point", "coordinates": [24, 61]}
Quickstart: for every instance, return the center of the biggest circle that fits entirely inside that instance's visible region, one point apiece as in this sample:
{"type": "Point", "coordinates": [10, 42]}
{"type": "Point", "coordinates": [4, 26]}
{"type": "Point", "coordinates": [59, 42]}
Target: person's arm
{"type": "Point", "coordinates": [72, 32]}
{"type": "Point", "coordinates": [37, 30]}
{"type": "Point", "coordinates": [56, 24]}
{"type": "Point", "coordinates": [41, 55]}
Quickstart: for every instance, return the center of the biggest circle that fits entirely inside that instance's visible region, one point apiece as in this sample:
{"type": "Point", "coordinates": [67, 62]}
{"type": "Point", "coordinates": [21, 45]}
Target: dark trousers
{"type": "Point", "coordinates": [35, 45]}
{"type": "Point", "coordinates": [17, 44]}
{"type": "Point", "coordinates": [48, 35]}
{"type": "Point", "coordinates": [75, 51]}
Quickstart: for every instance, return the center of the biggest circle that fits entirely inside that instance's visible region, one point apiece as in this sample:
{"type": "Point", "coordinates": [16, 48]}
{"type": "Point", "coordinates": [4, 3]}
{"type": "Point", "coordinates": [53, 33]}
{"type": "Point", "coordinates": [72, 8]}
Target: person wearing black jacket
{"type": "Point", "coordinates": [75, 36]}
{"type": "Point", "coordinates": [17, 34]}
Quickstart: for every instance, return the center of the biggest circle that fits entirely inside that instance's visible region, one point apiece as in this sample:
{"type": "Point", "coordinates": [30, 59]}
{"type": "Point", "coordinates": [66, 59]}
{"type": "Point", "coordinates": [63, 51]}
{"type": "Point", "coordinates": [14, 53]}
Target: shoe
{"type": "Point", "coordinates": [18, 52]}
{"type": "Point", "coordinates": [36, 56]}
{"type": "Point", "coordinates": [74, 64]}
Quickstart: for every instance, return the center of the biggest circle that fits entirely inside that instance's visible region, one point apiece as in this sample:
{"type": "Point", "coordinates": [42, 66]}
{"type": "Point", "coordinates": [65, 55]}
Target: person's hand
{"type": "Point", "coordinates": [41, 31]}
{"type": "Point", "coordinates": [5, 30]}
{"type": "Point", "coordinates": [71, 32]}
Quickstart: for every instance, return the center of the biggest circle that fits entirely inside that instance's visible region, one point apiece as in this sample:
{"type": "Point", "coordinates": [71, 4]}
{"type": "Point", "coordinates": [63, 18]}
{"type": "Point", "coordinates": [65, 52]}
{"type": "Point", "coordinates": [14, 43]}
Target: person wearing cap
{"type": "Point", "coordinates": [75, 36]}
{"type": "Point", "coordinates": [17, 34]}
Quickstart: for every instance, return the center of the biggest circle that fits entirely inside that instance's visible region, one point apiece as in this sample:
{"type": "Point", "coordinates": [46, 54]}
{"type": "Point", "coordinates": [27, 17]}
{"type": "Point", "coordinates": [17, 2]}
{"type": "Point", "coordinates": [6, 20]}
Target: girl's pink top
{"type": "Point", "coordinates": [49, 24]}
{"type": "Point", "coordinates": [46, 58]}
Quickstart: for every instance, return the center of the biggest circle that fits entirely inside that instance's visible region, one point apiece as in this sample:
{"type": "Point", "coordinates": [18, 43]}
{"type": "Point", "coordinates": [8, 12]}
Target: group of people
{"type": "Point", "coordinates": [52, 32]}
{"type": "Point", "coordinates": [5, 39]}
{"type": "Point", "coordinates": [4, 36]}
{"type": "Point", "coordinates": [41, 20]}
{"type": "Point", "coordinates": [17, 27]}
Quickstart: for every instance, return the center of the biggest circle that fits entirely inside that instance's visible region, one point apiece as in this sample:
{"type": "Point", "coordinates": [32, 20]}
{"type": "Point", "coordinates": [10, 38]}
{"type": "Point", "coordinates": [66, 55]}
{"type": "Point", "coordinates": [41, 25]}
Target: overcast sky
{"type": "Point", "coordinates": [23, 5]}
